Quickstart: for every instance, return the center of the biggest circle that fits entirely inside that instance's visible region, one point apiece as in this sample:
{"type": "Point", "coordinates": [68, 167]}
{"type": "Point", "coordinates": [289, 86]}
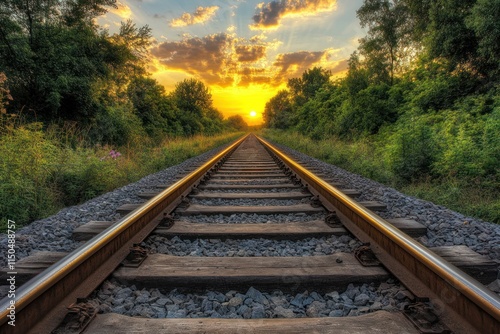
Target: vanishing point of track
{"type": "Point", "coordinates": [466, 304]}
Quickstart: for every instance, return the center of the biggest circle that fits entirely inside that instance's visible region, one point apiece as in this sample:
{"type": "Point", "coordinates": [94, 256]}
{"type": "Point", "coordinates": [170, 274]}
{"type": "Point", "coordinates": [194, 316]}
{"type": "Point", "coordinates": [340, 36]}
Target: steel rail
{"type": "Point", "coordinates": [45, 292]}
{"type": "Point", "coordinates": [462, 293]}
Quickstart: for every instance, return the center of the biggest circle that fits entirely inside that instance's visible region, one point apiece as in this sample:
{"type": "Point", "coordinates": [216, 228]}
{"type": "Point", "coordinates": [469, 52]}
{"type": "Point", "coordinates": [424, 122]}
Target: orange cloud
{"type": "Point", "coordinates": [340, 68]}
{"type": "Point", "coordinates": [250, 53]}
{"type": "Point", "coordinates": [216, 59]}
{"type": "Point", "coordinates": [201, 15]}
{"type": "Point", "coordinates": [225, 60]}
{"type": "Point", "coordinates": [268, 16]}
{"type": "Point", "coordinates": [205, 57]}
{"type": "Point", "coordinates": [295, 63]}
{"type": "Point", "coordinates": [122, 10]}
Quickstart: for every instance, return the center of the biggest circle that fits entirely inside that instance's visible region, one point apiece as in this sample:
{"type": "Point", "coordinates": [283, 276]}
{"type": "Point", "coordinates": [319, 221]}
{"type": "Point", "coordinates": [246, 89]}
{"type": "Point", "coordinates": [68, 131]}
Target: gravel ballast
{"type": "Point", "coordinates": [251, 247]}
{"type": "Point", "coordinates": [445, 227]}
{"type": "Point", "coordinates": [54, 233]}
{"type": "Point", "coordinates": [251, 303]}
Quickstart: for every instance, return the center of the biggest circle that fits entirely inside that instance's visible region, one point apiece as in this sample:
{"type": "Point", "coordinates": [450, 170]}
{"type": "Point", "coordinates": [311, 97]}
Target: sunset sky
{"type": "Point", "coordinates": [243, 50]}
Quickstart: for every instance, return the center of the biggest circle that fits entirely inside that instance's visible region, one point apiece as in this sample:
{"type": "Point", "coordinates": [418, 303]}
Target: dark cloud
{"type": "Point", "coordinates": [224, 60]}
{"type": "Point", "coordinates": [205, 57]}
{"type": "Point", "coordinates": [250, 53]}
{"type": "Point", "coordinates": [250, 75]}
{"type": "Point", "coordinates": [268, 16]}
{"type": "Point", "coordinates": [297, 62]}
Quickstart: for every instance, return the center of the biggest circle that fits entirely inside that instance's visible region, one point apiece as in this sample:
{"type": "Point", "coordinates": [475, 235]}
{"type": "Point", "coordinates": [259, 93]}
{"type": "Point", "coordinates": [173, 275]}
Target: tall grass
{"type": "Point", "coordinates": [359, 157]}
{"type": "Point", "coordinates": [43, 170]}
{"type": "Point", "coordinates": [374, 158]}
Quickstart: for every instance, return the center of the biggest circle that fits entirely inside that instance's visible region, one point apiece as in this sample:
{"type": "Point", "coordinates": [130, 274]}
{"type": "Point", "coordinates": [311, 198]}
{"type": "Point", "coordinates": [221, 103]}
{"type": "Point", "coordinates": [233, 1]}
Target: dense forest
{"type": "Point", "coordinates": [420, 103]}
{"type": "Point", "coordinates": [79, 113]}
{"type": "Point", "coordinates": [62, 67]}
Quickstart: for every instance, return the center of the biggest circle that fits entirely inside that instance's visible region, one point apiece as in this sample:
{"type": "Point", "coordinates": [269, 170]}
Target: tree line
{"type": "Point", "coordinates": [423, 86]}
{"type": "Point", "coordinates": [61, 67]}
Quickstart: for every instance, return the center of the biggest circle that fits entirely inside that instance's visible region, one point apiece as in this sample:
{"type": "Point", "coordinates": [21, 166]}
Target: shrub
{"type": "Point", "coordinates": [117, 125]}
{"type": "Point", "coordinates": [26, 165]}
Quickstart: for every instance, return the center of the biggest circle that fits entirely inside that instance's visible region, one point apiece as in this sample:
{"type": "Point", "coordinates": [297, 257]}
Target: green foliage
{"type": "Point", "coordinates": [315, 117]}
{"type": "Point", "coordinates": [157, 111]}
{"type": "Point", "coordinates": [4, 94]}
{"type": "Point", "coordinates": [419, 104]}
{"type": "Point", "coordinates": [192, 96]}
{"type": "Point", "coordinates": [196, 111]}
{"type": "Point", "coordinates": [449, 36]}
{"type": "Point", "coordinates": [117, 125]}
{"type": "Point", "coordinates": [51, 65]}
{"type": "Point", "coordinates": [362, 157]}
{"type": "Point", "coordinates": [306, 87]}
{"type": "Point", "coordinates": [237, 123]}
{"type": "Point", "coordinates": [367, 111]}
{"type": "Point", "coordinates": [440, 91]}
{"type": "Point", "coordinates": [25, 169]}
{"type": "Point", "coordinates": [486, 26]}
{"type": "Point", "coordinates": [412, 148]}
{"type": "Point", "coordinates": [278, 112]}
{"type": "Point", "coordinates": [42, 171]}
{"type": "Point", "coordinates": [391, 159]}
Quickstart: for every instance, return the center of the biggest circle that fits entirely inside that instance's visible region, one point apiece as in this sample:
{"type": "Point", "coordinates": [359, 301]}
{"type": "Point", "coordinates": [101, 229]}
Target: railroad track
{"type": "Point", "coordinates": [251, 174]}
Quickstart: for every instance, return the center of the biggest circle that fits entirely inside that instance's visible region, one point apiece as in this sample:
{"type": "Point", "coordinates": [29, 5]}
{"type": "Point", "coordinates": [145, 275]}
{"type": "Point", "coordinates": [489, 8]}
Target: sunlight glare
{"type": "Point", "coordinates": [253, 113]}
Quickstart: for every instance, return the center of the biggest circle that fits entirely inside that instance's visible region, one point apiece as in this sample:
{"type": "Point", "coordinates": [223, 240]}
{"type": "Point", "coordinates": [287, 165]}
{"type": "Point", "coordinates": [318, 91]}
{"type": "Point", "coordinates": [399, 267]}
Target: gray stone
{"type": "Point", "coordinates": [334, 295]}
{"type": "Point", "coordinates": [206, 305]}
{"type": "Point", "coordinates": [309, 300]}
{"type": "Point", "coordinates": [235, 301]}
{"type": "Point", "coordinates": [143, 298]}
{"type": "Point", "coordinates": [361, 300]}
{"type": "Point", "coordinates": [376, 306]}
{"type": "Point", "coordinates": [336, 313]}
{"type": "Point", "coordinates": [124, 293]}
{"type": "Point", "coordinates": [315, 309]}
{"type": "Point", "coordinates": [172, 308]}
{"type": "Point", "coordinates": [495, 286]}
{"type": "Point", "coordinates": [162, 301]}
{"type": "Point", "coordinates": [282, 312]}
{"type": "Point", "coordinates": [255, 294]}
{"type": "Point", "coordinates": [258, 312]}
{"type": "Point", "coordinates": [298, 300]}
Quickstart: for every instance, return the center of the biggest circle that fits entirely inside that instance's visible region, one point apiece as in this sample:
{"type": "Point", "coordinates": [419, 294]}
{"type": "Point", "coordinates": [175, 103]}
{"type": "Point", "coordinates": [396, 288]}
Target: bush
{"type": "Point", "coordinates": [412, 149]}
{"type": "Point", "coordinates": [41, 172]}
{"type": "Point", "coordinates": [26, 156]}
{"type": "Point", "coordinates": [117, 125]}
{"type": "Point", "coordinates": [365, 113]}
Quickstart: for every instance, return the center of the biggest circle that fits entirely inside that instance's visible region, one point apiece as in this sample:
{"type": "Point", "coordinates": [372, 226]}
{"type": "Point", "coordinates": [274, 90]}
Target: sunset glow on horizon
{"type": "Point", "coordinates": [244, 51]}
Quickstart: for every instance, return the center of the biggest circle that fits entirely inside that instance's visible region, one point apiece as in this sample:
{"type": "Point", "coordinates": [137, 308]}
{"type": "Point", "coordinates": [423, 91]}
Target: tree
{"type": "Point", "coordinates": [213, 122]}
{"type": "Point", "coordinates": [54, 55]}
{"type": "Point", "coordinates": [126, 54]}
{"type": "Point", "coordinates": [156, 110]}
{"type": "Point", "coordinates": [278, 112]}
{"type": "Point", "coordinates": [76, 12]}
{"type": "Point", "coordinates": [483, 20]}
{"type": "Point", "coordinates": [380, 48]}
{"type": "Point", "coordinates": [194, 100]}
{"type": "Point", "coordinates": [193, 96]}
{"type": "Point", "coordinates": [237, 122]}
{"type": "Point", "coordinates": [305, 87]}
{"type": "Point", "coordinates": [449, 36]}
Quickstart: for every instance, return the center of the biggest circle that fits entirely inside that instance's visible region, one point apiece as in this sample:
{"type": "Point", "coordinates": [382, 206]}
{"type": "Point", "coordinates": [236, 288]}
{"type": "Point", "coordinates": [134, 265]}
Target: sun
{"type": "Point", "coordinates": [253, 113]}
